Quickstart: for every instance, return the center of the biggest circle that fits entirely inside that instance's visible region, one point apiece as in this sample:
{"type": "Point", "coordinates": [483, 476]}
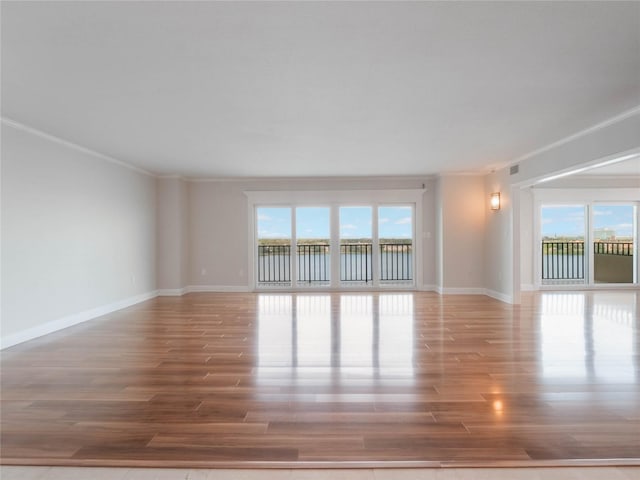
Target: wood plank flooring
{"type": "Point", "coordinates": [351, 379]}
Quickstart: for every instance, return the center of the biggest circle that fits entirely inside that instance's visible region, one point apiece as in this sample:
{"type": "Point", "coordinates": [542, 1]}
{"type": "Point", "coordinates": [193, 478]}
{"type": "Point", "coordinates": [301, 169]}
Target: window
{"type": "Point", "coordinates": [313, 245]}
{"type": "Point", "coordinates": [274, 246]}
{"type": "Point", "coordinates": [395, 237]}
{"type": "Point", "coordinates": [356, 243]}
{"type": "Point", "coordinates": [323, 240]}
{"type": "Point", "coordinates": [563, 252]}
{"type": "Point", "coordinates": [587, 243]}
{"type": "Point", "coordinates": [613, 243]}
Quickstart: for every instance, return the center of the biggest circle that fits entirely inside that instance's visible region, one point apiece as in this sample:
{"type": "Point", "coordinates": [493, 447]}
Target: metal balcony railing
{"type": "Point", "coordinates": [565, 260]}
{"type": "Point", "coordinates": [313, 263]}
{"type": "Point", "coordinates": [355, 262]}
{"type": "Point", "coordinates": [613, 248]}
{"type": "Point", "coordinates": [396, 263]}
{"type": "Point", "coordinates": [274, 264]}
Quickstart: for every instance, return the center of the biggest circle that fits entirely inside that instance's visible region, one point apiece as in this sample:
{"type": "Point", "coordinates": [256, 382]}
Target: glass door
{"type": "Point", "coordinates": [614, 243]}
{"type": "Point", "coordinates": [313, 246]}
{"type": "Point", "coordinates": [335, 246]}
{"type": "Point", "coordinates": [395, 240]}
{"type": "Point", "coordinates": [356, 245]}
{"type": "Point", "coordinates": [563, 230]}
{"type": "Point", "coordinates": [274, 246]}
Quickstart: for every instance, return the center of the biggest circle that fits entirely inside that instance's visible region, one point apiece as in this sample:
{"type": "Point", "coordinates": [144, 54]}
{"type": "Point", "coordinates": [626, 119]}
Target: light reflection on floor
{"type": "Point", "coordinates": [589, 336]}
{"type": "Point", "coordinates": [583, 336]}
{"type": "Point", "coordinates": [350, 337]}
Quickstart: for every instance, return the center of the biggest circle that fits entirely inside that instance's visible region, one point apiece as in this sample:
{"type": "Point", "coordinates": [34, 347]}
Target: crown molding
{"type": "Point", "coordinates": [171, 177]}
{"type": "Point", "coordinates": [414, 178]}
{"type": "Point", "coordinates": [73, 146]}
{"type": "Point", "coordinates": [594, 128]}
{"type": "Point", "coordinates": [473, 173]}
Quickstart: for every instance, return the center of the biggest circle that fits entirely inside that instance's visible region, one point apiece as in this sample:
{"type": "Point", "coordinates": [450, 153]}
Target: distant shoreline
{"type": "Point", "coordinates": [326, 241]}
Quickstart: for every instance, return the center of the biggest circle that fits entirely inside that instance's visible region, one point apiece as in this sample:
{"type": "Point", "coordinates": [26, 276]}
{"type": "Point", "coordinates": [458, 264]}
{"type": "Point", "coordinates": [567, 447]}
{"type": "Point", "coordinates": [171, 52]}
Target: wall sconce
{"type": "Point", "coordinates": [495, 201]}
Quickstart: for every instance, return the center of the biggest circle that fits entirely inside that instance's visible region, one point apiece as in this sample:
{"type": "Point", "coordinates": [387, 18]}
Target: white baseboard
{"type": "Point", "coordinates": [428, 288]}
{"type": "Point", "coordinates": [498, 296]}
{"type": "Point", "coordinates": [528, 287]}
{"type": "Point", "coordinates": [172, 292]}
{"type": "Point", "coordinates": [71, 320]}
{"type": "Point", "coordinates": [217, 288]}
{"type": "Point", "coordinates": [462, 291]}
{"type": "Point", "coordinates": [469, 291]}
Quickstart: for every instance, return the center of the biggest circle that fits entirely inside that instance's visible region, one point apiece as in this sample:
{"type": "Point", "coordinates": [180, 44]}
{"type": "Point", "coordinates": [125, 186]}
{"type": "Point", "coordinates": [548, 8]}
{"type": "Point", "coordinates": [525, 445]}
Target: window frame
{"type": "Point", "coordinates": [334, 199]}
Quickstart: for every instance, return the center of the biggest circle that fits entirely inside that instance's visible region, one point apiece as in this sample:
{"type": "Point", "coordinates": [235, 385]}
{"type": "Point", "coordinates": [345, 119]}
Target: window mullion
{"type": "Point", "coordinates": [293, 255]}
{"type": "Point", "coordinates": [334, 248]}
{"type": "Point", "coordinates": [375, 246]}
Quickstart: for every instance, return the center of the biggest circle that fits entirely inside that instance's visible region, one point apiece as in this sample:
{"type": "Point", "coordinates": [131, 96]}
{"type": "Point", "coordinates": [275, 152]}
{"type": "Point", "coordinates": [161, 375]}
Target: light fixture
{"type": "Point", "coordinates": [495, 201]}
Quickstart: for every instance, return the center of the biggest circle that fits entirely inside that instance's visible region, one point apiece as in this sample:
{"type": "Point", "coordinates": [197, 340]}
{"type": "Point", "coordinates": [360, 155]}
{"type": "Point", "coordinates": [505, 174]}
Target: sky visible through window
{"type": "Point", "coordinates": [313, 222]}
{"type": "Point", "coordinates": [274, 222]}
{"type": "Point", "coordinates": [617, 220]}
{"type": "Point", "coordinates": [355, 222]}
{"type": "Point", "coordinates": [395, 222]}
{"type": "Point", "coordinates": [569, 221]}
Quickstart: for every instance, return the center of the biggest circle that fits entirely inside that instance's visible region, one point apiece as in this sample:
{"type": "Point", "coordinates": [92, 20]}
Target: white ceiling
{"type": "Point", "coordinates": [308, 88]}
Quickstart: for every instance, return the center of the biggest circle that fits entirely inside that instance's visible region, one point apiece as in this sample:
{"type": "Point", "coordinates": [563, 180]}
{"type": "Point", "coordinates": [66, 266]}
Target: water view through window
{"type": "Point", "coordinates": [563, 233]}
{"type": "Point", "coordinates": [395, 230]}
{"type": "Point", "coordinates": [297, 247]}
{"type": "Point", "coordinates": [313, 245]}
{"type": "Point", "coordinates": [613, 243]}
{"type": "Point", "coordinates": [274, 245]}
{"type": "Point", "coordinates": [356, 243]}
{"type": "Point", "coordinates": [573, 253]}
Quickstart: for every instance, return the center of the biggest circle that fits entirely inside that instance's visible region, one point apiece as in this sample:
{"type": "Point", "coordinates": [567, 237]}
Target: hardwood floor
{"type": "Point", "coordinates": [363, 379]}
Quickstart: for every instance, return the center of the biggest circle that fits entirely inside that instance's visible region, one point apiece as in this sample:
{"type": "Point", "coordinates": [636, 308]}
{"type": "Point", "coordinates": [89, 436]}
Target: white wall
{"type": "Point", "coordinates": [219, 224]}
{"type": "Point", "coordinates": [78, 235]}
{"type": "Point", "coordinates": [172, 228]}
{"type": "Point", "coordinates": [439, 236]}
{"type": "Point", "coordinates": [527, 231]}
{"type": "Point", "coordinates": [218, 235]}
{"type": "Point", "coordinates": [462, 207]}
{"type": "Point", "coordinates": [499, 241]}
{"type": "Point", "coordinates": [430, 236]}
